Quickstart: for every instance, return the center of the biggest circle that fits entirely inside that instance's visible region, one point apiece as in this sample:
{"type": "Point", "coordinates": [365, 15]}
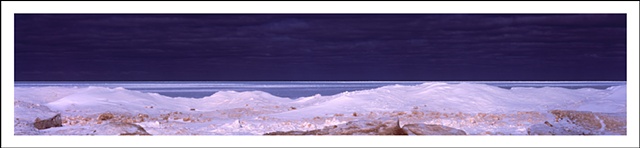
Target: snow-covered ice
{"type": "Point", "coordinates": [477, 109]}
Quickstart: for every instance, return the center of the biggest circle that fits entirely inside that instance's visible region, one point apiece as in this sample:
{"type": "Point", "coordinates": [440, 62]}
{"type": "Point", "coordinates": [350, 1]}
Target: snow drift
{"type": "Point", "coordinates": [256, 112]}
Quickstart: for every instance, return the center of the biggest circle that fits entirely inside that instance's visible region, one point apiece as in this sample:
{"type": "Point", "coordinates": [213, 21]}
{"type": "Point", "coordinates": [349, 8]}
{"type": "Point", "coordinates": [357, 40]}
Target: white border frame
{"type": "Point", "coordinates": [9, 8]}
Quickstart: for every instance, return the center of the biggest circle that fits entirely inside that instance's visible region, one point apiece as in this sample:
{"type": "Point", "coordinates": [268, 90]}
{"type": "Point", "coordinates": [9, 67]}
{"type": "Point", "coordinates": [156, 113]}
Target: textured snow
{"type": "Point", "coordinates": [475, 108]}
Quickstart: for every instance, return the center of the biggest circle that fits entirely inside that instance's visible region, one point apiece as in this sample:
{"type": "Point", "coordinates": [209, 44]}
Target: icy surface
{"type": "Point", "coordinates": [474, 108]}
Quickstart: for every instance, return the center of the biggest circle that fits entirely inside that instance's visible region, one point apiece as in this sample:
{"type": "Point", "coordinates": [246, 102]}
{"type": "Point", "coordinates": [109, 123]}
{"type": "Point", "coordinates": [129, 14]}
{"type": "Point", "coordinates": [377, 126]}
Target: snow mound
{"type": "Point", "coordinates": [464, 97]}
{"type": "Point", "coordinates": [441, 97]}
{"type": "Point", "coordinates": [612, 103]}
{"type": "Point", "coordinates": [233, 99]}
{"type": "Point", "coordinates": [43, 95]}
{"type": "Point", "coordinates": [100, 99]}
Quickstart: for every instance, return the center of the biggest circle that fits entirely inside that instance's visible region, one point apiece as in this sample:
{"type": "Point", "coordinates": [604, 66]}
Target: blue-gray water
{"type": "Point", "coordinates": [290, 89]}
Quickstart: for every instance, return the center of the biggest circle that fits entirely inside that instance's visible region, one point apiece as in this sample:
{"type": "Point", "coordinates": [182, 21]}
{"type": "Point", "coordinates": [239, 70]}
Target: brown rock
{"type": "Point", "coordinates": [385, 127]}
{"type": "Point", "coordinates": [141, 115]}
{"type": "Point", "coordinates": [594, 121]}
{"type": "Point", "coordinates": [120, 128]}
{"type": "Point", "coordinates": [55, 121]}
{"type": "Point", "coordinates": [543, 129]}
{"type": "Point", "coordinates": [431, 129]}
{"type": "Point", "coordinates": [292, 133]}
{"type": "Point", "coordinates": [105, 116]}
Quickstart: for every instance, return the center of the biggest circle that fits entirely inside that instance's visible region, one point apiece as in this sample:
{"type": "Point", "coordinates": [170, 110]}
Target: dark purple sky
{"type": "Point", "coordinates": [426, 47]}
